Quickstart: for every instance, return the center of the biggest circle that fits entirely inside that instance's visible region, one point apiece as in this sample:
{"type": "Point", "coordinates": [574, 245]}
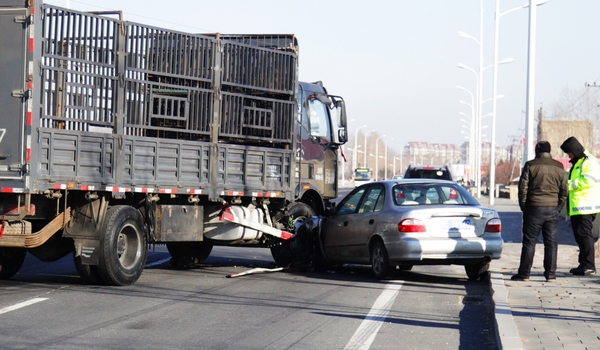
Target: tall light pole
{"type": "Point", "coordinates": [386, 159]}
{"type": "Point", "coordinates": [479, 90]}
{"type": "Point", "coordinates": [377, 157]}
{"type": "Point", "coordinates": [498, 14]}
{"type": "Point", "coordinates": [529, 151]}
{"type": "Point", "coordinates": [473, 125]}
{"type": "Point", "coordinates": [365, 149]}
{"type": "Point", "coordinates": [355, 153]}
{"type": "Point", "coordinates": [476, 121]}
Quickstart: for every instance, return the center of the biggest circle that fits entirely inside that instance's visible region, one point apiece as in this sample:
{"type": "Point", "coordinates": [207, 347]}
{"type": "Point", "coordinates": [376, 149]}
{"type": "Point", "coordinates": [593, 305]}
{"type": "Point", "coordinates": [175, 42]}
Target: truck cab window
{"type": "Point", "coordinates": [319, 122]}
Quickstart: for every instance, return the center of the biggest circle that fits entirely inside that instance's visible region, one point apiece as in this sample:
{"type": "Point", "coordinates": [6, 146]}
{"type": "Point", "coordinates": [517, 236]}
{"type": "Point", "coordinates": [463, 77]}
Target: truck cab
{"type": "Point", "coordinates": [321, 130]}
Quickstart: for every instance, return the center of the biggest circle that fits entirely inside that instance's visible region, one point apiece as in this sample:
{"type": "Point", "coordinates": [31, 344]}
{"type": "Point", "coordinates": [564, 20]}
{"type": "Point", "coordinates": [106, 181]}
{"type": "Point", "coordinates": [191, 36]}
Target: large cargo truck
{"type": "Point", "coordinates": [115, 136]}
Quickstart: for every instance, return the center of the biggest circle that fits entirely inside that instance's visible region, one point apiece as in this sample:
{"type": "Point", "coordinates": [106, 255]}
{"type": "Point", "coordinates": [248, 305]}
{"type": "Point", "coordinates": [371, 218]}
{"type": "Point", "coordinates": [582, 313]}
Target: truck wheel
{"type": "Point", "coordinates": [189, 253]}
{"type": "Point", "coordinates": [11, 260]}
{"type": "Point", "coordinates": [122, 246]}
{"type": "Point", "coordinates": [280, 249]}
{"type": "Point", "coordinates": [478, 271]}
{"type": "Point", "coordinates": [379, 260]}
{"type": "Point", "coordinates": [89, 273]}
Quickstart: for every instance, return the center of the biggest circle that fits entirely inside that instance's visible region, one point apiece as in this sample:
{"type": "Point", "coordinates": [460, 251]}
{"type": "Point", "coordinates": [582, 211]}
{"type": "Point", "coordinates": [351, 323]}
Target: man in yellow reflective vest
{"type": "Point", "coordinates": [583, 203]}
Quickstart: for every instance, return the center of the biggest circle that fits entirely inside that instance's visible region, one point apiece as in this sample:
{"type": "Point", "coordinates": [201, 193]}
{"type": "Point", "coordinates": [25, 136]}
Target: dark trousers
{"type": "Point", "coordinates": [582, 230]}
{"type": "Point", "coordinates": [534, 220]}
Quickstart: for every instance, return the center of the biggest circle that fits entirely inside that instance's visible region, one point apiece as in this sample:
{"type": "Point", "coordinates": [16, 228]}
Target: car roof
{"type": "Point", "coordinates": [409, 181]}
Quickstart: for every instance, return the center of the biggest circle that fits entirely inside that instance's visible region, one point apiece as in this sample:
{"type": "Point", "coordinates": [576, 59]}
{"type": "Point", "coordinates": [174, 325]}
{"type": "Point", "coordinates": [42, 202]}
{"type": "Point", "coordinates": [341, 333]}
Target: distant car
{"type": "Point", "coordinates": [408, 222]}
{"type": "Point", "coordinates": [397, 177]}
{"type": "Point", "coordinates": [441, 172]}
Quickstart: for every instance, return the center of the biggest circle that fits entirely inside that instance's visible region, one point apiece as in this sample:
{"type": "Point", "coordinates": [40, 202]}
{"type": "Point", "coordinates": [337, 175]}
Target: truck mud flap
{"type": "Point", "coordinates": [36, 239]}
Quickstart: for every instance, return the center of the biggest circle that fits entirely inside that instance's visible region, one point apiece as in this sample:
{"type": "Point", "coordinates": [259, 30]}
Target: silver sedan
{"type": "Point", "coordinates": [401, 223]}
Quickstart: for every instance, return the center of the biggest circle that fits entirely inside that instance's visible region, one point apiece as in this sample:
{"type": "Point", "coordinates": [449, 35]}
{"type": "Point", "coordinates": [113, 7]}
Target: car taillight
{"type": "Point", "coordinates": [494, 225]}
{"type": "Point", "coordinates": [411, 225]}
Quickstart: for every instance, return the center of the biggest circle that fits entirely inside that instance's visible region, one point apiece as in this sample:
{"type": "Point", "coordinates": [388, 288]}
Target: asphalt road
{"type": "Point", "coordinates": [46, 306]}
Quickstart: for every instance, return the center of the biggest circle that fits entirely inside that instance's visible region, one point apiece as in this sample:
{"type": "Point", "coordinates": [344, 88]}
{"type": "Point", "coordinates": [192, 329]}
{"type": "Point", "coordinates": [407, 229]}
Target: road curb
{"type": "Point", "coordinates": [507, 335]}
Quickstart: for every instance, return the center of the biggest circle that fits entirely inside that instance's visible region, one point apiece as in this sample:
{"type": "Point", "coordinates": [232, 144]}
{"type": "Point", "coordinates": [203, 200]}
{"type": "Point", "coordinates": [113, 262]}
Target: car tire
{"type": "Point", "coordinates": [379, 260]}
{"type": "Point", "coordinates": [478, 271]}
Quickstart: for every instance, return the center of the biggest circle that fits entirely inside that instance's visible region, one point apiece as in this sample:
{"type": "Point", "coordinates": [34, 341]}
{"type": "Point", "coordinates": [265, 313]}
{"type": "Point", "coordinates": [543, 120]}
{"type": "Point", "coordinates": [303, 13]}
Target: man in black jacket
{"type": "Point", "coordinates": [542, 195]}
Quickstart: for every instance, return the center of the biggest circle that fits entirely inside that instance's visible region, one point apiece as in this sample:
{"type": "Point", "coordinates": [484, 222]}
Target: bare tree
{"type": "Point", "coordinates": [580, 104]}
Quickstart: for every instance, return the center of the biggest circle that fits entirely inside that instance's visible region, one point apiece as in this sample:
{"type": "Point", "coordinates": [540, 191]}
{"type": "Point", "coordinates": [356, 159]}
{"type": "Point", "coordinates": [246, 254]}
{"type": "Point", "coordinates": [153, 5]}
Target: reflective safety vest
{"type": "Point", "coordinates": [584, 186]}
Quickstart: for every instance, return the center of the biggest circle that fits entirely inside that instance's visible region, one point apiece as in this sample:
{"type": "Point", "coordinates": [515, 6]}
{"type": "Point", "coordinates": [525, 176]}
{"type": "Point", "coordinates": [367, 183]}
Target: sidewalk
{"type": "Point", "coordinates": [537, 314]}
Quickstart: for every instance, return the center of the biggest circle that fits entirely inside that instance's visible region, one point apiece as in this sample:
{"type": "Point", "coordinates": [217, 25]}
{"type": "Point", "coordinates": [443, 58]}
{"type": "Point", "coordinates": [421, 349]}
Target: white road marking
{"type": "Point", "coordinates": [366, 332]}
{"type": "Point", "coordinates": [158, 262]}
{"type": "Point", "coordinates": [21, 305]}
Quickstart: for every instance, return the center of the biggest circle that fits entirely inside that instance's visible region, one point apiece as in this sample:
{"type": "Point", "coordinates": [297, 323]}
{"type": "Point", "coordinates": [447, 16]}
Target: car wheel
{"type": "Point", "coordinates": [122, 246]}
{"type": "Point", "coordinates": [379, 260]}
{"type": "Point", "coordinates": [280, 249]}
{"type": "Point", "coordinates": [11, 260]}
{"type": "Point", "coordinates": [478, 271]}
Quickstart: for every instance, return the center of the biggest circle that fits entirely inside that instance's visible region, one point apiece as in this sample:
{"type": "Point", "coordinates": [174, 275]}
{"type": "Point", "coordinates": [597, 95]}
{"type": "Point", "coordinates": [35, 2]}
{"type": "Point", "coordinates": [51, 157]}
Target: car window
{"type": "Point", "coordinates": [432, 194]}
{"type": "Point", "coordinates": [350, 203]}
{"type": "Point", "coordinates": [428, 173]}
{"type": "Point", "coordinates": [373, 200]}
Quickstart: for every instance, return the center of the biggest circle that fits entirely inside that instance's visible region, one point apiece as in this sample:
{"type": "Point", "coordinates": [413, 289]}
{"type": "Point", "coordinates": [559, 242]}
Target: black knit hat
{"type": "Point", "coordinates": [542, 147]}
{"type": "Point", "coordinates": [571, 145]}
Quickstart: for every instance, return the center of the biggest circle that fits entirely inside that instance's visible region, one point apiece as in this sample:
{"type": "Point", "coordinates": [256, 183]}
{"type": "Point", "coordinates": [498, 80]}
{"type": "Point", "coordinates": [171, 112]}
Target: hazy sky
{"type": "Point", "coordinates": [395, 61]}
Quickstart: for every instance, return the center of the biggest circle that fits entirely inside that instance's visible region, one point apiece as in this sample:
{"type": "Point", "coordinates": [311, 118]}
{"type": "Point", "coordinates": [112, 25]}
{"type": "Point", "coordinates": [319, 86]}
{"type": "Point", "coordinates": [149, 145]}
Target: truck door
{"type": "Point", "coordinates": [319, 158]}
{"type": "Point", "coordinates": [12, 80]}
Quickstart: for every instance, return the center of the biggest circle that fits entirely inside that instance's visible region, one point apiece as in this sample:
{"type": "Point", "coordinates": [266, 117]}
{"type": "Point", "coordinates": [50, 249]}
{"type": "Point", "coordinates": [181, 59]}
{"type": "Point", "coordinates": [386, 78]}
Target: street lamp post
{"type": "Point", "coordinates": [377, 157]}
{"type": "Point", "coordinates": [365, 149]}
{"type": "Point", "coordinates": [386, 160]}
{"type": "Point", "coordinates": [529, 151]}
{"type": "Point", "coordinates": [472, 140]}
{"type": "Point", "coordinates": [495, 84]}
{"type": "Point", "coordinates": [355, 153]}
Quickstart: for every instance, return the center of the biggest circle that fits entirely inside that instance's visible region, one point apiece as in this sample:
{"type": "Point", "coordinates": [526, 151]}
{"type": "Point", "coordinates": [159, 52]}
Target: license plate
{"type": "Point", "coordinates": [465, 225]}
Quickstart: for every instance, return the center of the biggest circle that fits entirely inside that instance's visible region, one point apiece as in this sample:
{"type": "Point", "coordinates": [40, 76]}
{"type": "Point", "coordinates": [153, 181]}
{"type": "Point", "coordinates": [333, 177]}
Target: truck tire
{"type": "Point", "coordinates": [185, 254]}
{"type": "Point", "coordinates": [88, 273]}
{"type": "Point", "coordinates": [11, 260]}
{"type": "Point", "coordinates": [280, 249]}
{"type": "Point", "coordinates": [122, 246]}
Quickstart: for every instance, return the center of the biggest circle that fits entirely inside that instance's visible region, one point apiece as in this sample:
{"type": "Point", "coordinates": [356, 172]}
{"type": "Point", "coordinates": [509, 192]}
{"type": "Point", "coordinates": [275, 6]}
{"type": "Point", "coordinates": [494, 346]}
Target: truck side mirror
{"type": "Point", "coordinates": [341, 121]}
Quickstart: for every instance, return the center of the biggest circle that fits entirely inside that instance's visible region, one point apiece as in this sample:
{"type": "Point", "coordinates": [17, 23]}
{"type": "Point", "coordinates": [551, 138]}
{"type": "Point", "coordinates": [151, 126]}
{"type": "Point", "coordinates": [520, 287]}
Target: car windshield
{"type": "Point", "coordinates": [431, 194]}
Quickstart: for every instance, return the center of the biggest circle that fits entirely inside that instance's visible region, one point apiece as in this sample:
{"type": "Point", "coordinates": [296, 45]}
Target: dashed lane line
{"type": "Point", "coordinates": [21, 305]}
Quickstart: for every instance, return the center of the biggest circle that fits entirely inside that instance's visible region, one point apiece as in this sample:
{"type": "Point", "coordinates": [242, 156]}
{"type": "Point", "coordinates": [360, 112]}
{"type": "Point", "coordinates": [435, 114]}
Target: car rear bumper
{"type": "Point", "coordinates": [418, 249]}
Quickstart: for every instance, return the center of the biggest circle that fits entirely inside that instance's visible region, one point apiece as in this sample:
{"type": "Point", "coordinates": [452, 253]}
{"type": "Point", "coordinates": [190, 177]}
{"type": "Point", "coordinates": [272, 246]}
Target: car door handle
{"type": "Point", "coordinates": [371, 222]}
{"type": "Point", "coordinates": [345, 223]}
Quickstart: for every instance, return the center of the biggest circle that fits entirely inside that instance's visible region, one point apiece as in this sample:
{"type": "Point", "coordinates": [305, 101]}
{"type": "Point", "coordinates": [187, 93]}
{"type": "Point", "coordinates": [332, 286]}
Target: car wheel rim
{"type": "Point", "coordinates": [377, 261]}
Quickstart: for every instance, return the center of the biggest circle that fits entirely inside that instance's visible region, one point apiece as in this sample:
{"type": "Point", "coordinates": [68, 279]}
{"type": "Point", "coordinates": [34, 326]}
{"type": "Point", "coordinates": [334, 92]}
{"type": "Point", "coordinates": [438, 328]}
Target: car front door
{"type": "Point", "coordinates": [347, 234]}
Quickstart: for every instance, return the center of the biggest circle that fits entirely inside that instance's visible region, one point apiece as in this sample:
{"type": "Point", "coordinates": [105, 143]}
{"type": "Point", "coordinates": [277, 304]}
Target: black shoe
{"type": "Point", "coordinates": [518, 277]}
{"type": "Point", "coordinates": [550, 279]}
{"type": "Point", "coordinates": [575, 269]}
{"type": "Point", "coordinates": [584, 272]}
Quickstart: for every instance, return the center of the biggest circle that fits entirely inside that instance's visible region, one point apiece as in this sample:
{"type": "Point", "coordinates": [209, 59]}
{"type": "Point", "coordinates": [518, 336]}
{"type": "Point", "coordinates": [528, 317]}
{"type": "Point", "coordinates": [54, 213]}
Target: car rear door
{"type": "Point", "coordinates": [12, 87]}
